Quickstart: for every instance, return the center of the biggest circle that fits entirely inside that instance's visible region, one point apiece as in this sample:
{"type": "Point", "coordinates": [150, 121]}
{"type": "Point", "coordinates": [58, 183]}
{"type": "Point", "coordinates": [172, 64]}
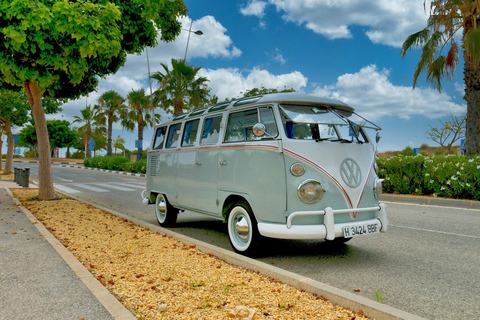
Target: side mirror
{"type": "Point", "coordinates": [259, 129]}
{"type": "Point", "coordinates": [378, 136]}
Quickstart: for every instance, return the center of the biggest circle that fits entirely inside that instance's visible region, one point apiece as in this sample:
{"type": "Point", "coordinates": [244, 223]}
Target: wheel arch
{"type": "Point", "coordinates": [230, 202]}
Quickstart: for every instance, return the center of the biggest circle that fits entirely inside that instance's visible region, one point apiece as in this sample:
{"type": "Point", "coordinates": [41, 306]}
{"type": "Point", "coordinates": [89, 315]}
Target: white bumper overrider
{"type": "Point", "coordinates": [145, 200]}
{"type": "Point", "coordinates": [329, 230]}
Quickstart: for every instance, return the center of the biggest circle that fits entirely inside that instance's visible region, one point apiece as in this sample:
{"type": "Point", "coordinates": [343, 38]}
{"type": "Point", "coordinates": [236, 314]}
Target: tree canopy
{"type": "Point", "coordinates": [109, 108]}
{"type": "Point", "coordinates": [179, 86]}
{"type": "Point", "coordinates": [65, 45]}
{"type": "Point", "coordinates": [59, 131]}
{"type": "Point", "coordinates": [440, 50]}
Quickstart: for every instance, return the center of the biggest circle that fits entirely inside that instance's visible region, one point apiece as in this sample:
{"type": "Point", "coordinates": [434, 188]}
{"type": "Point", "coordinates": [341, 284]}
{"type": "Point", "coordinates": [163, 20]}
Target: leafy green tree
{"type": "Point", "coordinates": [88, 119]}
{"type": "Point", "coordinates": [448, 133]}
{"type": "Point", "coordinates": [100, 138]}
{"type": "Point", "coordinates": [440, 54]}
{"type": "Point", "coordinates": [119, 143]}
{"type": "Point", "coordinates": [109, 107]}
{"type": "Point", "coordinates": [13, 112]}
{"type": "Point", "coordinates": [60, 48]}
{"type": "Point", "coordinates": [262, 91]}
{"type": "Point", "coordinates": [60, 135]}
{"type": "Point", "coordinates": [140, 112]}
{"type": "Point", "coordinates": [179, 86]}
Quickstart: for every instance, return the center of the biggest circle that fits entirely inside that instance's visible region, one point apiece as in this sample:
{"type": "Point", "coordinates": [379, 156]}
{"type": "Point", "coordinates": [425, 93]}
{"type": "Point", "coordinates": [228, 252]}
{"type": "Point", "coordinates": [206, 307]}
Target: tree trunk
{"type": "Point", "coordinates": [11, 143]}
{"type": "Point", "coordinates": [109, 136]}
{"type": "Point", "coordinates": [471, 76]}
{"type": "Point", "coordinates": [141, 125]}
{"type": "Point", "coordinates": [88, 152]}
{"type": "Point", "coordinates": [178, 108]}
{"type": "Point", "coordinates": [1, 146]}
{"type": "Point", "coordinates": [45, 180]}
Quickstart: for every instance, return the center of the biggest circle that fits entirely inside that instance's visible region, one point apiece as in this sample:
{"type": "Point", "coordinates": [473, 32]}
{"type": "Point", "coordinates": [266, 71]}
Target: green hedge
{"type": "Point", "coordinates": [449, 176]}
{"type": "Point", "coordinates": [116, 163]}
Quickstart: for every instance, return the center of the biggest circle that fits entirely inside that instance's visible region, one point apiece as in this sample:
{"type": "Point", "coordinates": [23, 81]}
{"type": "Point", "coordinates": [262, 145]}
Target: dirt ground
{"type": "Point", "coordinates": [158, 277]}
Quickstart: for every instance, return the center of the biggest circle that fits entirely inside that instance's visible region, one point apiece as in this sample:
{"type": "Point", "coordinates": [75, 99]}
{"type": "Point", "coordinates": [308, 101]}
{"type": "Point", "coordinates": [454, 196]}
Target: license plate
{"type": "Point", "coordinates": [360, 230]}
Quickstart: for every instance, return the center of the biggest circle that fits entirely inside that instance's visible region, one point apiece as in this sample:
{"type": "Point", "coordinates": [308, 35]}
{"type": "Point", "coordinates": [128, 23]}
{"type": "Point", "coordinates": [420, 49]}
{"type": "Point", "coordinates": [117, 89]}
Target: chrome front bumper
{"type": "Point", "coordinates": [329, 230]}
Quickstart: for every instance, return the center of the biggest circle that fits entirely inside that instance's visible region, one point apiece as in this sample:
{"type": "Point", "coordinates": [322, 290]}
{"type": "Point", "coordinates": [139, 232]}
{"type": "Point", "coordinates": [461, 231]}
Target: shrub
{"type": "Point", "coordinates": [448, 176]}
{"type": "Point", "coordinates": [78, 155]}
{"type": "Point", "coordinates": [117, 163]}
{"type": "Point", "coordinates": [137, 166]}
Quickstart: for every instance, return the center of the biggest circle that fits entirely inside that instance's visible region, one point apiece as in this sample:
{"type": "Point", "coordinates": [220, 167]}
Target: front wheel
{"type": "Point", "coordinates": [242, 229]}
{"type": "Point", "coordinates": [166, 214]}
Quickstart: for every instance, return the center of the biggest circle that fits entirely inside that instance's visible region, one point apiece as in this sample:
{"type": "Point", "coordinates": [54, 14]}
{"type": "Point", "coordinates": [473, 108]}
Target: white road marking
{"type": "Point", "coordinates": [134, 185]}
{"type": "Point", "coordinates": [117, 187]}
{"type": "Point", "coordinates": [436, 231]}
{"type": "Point", "coordinates": [65, 189]}
{"type": "Point", "coordinates": [91, 188]}
{"type": "Point", "coordinates": [65, 180]}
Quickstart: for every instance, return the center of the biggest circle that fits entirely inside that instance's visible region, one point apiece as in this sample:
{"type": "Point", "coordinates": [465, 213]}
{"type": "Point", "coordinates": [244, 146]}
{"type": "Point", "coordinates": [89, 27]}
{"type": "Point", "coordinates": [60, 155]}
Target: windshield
{"type": "Point", "coordinates": [322, 123]}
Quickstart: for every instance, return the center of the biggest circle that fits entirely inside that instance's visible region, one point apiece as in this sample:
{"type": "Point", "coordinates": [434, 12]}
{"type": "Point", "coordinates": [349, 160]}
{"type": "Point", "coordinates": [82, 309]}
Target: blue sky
{"type": "Point", "coordinates": [348, 50]}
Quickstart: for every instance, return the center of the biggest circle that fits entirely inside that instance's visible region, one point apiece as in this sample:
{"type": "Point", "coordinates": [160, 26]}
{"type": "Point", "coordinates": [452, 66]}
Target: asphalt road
{"type": "Point", "coordinates": [428, 263]}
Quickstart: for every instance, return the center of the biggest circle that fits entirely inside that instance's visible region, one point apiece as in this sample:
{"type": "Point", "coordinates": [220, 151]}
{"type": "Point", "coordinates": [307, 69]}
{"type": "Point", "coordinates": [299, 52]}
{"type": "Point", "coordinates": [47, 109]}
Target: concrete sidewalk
{"type": "Point", "coordinates": [36, 281]}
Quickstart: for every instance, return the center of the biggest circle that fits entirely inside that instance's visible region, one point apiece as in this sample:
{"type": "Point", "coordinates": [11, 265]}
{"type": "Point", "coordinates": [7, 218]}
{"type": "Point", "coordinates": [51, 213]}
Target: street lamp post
{"type": "Point", "coordinates": [198, 32]}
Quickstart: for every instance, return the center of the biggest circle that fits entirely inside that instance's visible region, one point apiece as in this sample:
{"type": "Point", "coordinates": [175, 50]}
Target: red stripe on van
{"type": "Point", "coordinates": [324, 171]}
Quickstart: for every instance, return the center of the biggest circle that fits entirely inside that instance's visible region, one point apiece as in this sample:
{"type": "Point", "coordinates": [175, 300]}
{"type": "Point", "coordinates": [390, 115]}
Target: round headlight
{"type": "Point", "coordinates": [297, 169]}
{"type": "Point", "coordinates": [310, 191]}
{"type": "Point", "coordinates": [377, 188]}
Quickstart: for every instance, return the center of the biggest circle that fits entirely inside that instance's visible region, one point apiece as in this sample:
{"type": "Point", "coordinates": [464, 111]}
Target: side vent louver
{"type": "Point", "coordinates": [153, 166]}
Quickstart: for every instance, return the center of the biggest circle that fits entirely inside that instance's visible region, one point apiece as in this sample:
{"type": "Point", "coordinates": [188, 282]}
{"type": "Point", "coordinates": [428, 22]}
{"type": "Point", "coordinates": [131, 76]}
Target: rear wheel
{"type": "Point", "coordinates": [242, 229]}
{"type": "Point", "coordinates": [166, 214]}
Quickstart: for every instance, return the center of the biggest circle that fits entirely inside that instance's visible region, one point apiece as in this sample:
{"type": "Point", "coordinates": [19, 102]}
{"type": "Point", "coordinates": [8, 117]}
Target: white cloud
{"type": "Point", "coordinates": [386, 22]}
{"type": "Point", "coordinates": [254, 8]}
{"type": "Point", "coordinates": [372, 94]}
{"type": "Point", "coordinates": [277, 56]}
{"type": "Point", "coordinates": [134, 74]}
{"type": "Point", "coordinates": [460, 88]}
{"type": "Point", "coordinates": [228, 83]}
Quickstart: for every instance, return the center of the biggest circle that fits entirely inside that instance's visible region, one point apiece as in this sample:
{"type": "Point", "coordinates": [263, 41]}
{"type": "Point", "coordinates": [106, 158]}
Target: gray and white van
{"type": "Point", "coordinates": [287, 165]}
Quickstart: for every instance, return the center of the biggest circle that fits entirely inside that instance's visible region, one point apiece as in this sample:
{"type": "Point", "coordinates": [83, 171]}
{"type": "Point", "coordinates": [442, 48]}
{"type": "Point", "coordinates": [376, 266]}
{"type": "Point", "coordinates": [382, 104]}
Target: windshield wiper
{"type": "Point", "coordinates": [342, 140]}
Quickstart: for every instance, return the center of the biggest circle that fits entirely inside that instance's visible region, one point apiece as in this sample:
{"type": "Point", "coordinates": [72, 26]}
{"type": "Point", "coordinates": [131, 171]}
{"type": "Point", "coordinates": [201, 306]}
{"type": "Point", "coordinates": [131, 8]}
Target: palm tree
{"type": "Point", "coordinates": [440, 55]}
{"type": "Point", "coordinates": [179, 84]}
{"type": "Point", "coordinates": [140, 112]}
{"type": "Point", "coordinates": [110, 105]}
{"type": "Point", "coordinates": [88, 118]}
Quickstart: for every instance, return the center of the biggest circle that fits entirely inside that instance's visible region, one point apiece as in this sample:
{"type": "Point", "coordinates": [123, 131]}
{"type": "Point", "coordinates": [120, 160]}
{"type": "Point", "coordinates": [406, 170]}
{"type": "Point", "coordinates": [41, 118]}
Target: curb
{"type": "Point", "coordinates": [109, 171]}
{"type": "Point", "coordinates": [443, 202]}
{"type": "Point", "coordinates": [343, 298]}
{"type": "Point", "coordinates": [107, 299]}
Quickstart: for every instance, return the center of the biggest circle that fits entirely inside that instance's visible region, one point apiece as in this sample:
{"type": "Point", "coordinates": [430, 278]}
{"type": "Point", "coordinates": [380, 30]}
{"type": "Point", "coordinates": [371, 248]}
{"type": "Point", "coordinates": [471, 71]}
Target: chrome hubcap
{"type": "Point", "coordinates": [161, 207]}
{"type": "Point", "coordinates": [242, 228]}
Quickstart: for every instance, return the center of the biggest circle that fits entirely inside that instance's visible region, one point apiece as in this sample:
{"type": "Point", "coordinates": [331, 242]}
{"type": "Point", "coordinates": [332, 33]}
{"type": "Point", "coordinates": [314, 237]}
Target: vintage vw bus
{"type": "Point", "coordinates": [286, 165]}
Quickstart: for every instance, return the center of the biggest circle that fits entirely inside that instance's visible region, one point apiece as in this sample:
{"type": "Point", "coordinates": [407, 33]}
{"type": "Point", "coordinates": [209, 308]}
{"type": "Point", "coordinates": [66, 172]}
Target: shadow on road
{"type": "Point", "coordinates": [215, 232]}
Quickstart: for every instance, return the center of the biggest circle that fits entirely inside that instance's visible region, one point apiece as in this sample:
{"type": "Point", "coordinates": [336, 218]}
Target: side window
{"type": "Point", "coordinates": [211, 131]}
{"type": "Point", "coordinates": [190, 133]}
{"type": "Point", "coordinates": [267, 118]}
{"type": "Point", "coordinates": [159, 138]}
{"type": "Point", "coordinates": [240, 124]}
{"type": "Point", "coordinates": [173, 135]}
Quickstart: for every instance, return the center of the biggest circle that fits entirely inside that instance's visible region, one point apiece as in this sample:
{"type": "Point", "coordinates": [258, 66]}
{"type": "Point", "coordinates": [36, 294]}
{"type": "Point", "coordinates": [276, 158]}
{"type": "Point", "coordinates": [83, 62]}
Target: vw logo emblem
{"type": "Point", "coordinates": [350, 172]}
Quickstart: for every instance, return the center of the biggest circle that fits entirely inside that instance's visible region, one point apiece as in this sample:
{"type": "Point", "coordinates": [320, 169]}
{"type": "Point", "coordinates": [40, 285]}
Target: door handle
{"type": "Point", "coordinates": [198, 163]}
{"type": "Point", "coordinates": [223, 163]}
